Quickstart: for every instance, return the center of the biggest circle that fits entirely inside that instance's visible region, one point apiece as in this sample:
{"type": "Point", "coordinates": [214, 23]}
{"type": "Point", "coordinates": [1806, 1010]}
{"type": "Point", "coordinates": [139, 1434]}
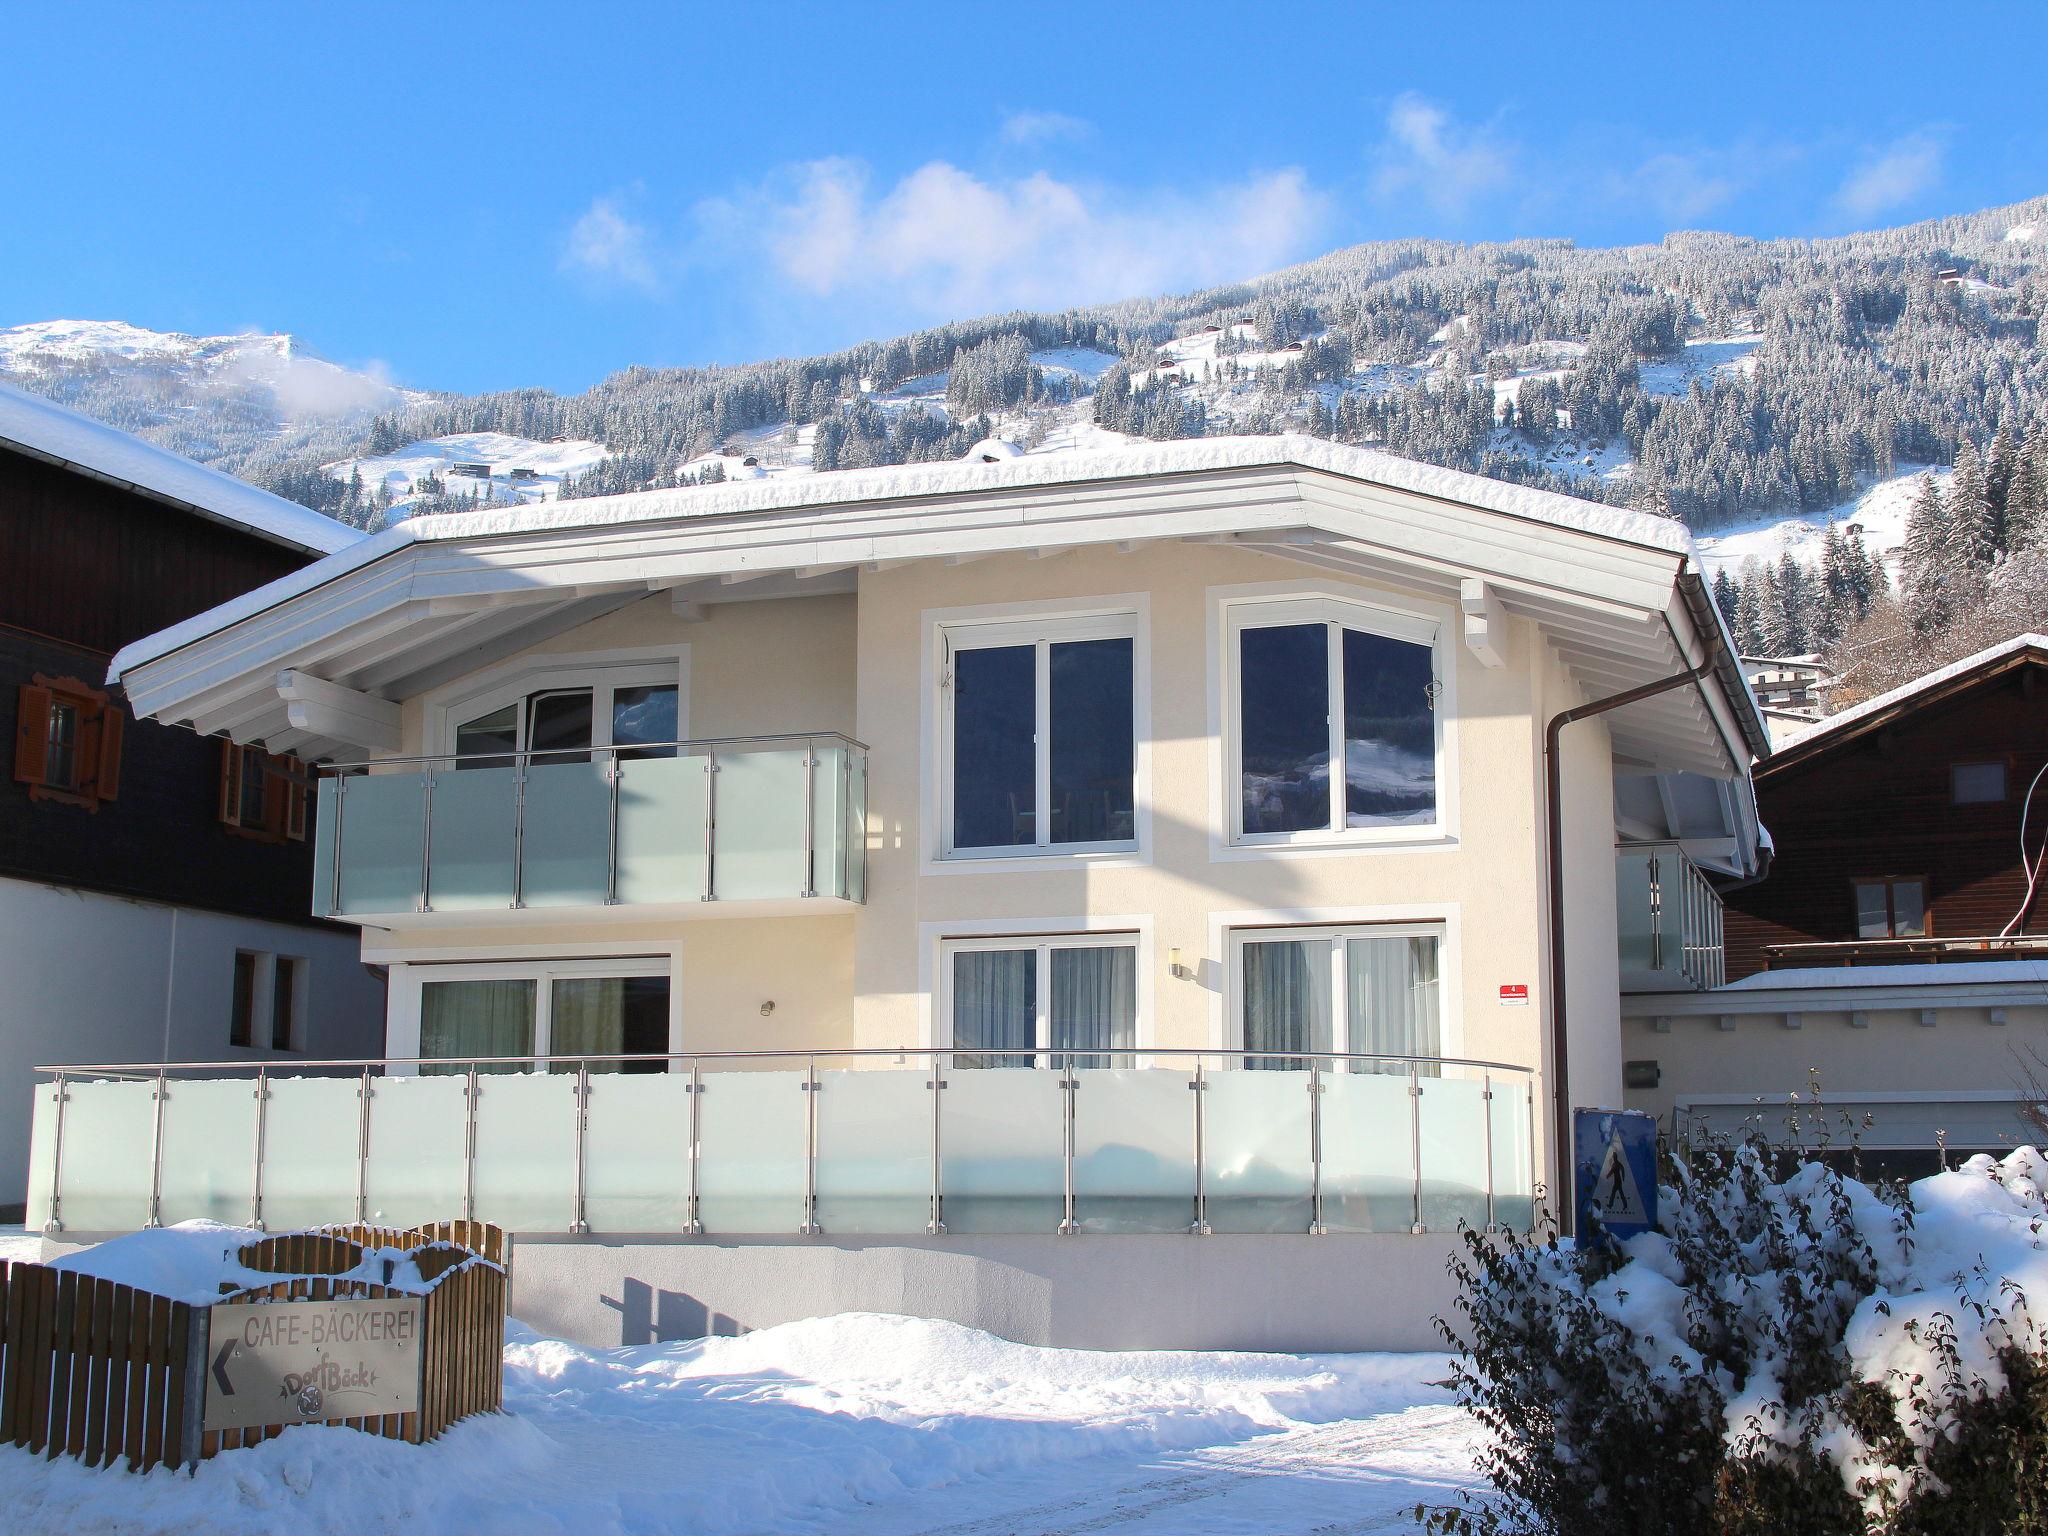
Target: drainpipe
{"type": "Point", "coordinates": [1560, 1094]}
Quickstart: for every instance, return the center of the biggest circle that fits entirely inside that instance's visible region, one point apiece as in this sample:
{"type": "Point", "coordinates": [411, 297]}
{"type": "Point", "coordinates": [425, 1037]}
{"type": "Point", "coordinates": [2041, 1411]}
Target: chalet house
{"type": "Point", "coordinates": [1898, 947]}
{"type": "Point", "coordinates": [151, 881]}
{"type": "Point", "coordinates": [1150, 896]}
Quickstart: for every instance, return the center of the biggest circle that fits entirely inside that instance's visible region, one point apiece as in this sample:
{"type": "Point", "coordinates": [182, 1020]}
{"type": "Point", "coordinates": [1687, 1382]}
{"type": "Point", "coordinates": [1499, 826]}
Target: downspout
{"type": "Point", "coordinates": [1560, 1095]}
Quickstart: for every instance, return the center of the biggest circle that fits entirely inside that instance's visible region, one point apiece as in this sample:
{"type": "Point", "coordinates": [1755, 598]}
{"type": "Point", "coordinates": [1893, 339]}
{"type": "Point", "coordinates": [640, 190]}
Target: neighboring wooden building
{"type": "Point", "coordinates": [152, 881]}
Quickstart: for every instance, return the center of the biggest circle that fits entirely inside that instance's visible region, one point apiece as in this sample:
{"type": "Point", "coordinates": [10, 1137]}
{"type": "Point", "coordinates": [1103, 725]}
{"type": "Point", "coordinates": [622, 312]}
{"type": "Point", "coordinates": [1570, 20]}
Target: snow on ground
{"type": "Point", "coordinates": [18, 1245]}
{"type": "Point", "coordinates": [852, 1424]}
{"type": "Point", "coordinates": [548, 464]}
{"type": "Point", "coordinates": [2021, 232]}
{"type": "Point", "coordinates": [1703, 358]}
{"type": "Point", "coordinates": [1082, 362]}
{"type": "Point", "coordinates": [1881, 511]}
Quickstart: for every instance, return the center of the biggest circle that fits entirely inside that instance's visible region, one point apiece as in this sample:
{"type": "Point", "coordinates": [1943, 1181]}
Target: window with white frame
{"type": "Point", "coordinates": [1361, 990]}
{"type": "Point", "coordinates": [1333, 728]}
{"type": "Point", "coordinates": [573, 1009]}
{"type": "Point", "coordinates": [1061, 1000]}
{"type": "Point", "coordinates": [1038, 748]}
{"type": "Point", "coordinates": [565, 715]}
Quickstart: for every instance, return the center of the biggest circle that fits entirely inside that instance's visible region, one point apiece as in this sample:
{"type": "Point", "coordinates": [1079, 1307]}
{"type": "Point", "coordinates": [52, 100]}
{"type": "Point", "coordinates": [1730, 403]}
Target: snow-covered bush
{"type": "Point", "coordinates": [1793, 1352]}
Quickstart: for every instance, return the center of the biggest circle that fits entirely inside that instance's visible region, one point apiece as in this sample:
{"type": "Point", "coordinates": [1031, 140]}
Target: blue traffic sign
{"type": "Point", "coordinates": [1614, 1173]}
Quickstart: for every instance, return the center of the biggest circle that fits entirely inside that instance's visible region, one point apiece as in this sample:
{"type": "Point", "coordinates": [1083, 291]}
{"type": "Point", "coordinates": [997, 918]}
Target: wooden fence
{"type": "Point", "coordinates": [105, 1372]}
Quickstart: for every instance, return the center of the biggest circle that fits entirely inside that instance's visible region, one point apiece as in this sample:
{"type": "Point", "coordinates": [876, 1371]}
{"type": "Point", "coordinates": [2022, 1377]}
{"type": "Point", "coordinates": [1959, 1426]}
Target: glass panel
{"type": "Point", "coordinates": [1389, 732]}
{"type": "Point", "coordinates": [661, 829]}
{"type": "Point", "coordinates": [995, 768]}
{"type": "Point", "coordinates": [1514, 1185]}
{"type": "Point", "coordinates": [568, 832]}
{"type": "Point", "coordinates": [1873, 919]}
{"type": "Point", "coordinates": [1283, 689]}
{"type": "Point", "coordinates": [1909, 909]}
{"type": "Point", "coordinates": [381, 827]}
{"type": "Point", "coordinates": [559, 723]}
{"type": "Point", "coordinates": [1093, 748]}
{"type": "Point", "coordinates": [323, 847]}
{"type": "Point", "coordinates": [857, 830]}
{"type": "Point", "coordinates": [526, 1152]}
{"type": "Point", "coordinates": [647, 712]}
{"type": "Point", "coordinates": [473, 835]}
{"type": "Point", "coordinates": [60, 753]}
{"type": "Point", "coordinates": [1258, 1176]}
{"type": "Point", "coordinates": [760, 832]}
{"type": "Point", "coordinates": [467, 1019]}
{"type": "Point", "coordinates": [109, 1135]}
{"type": "Point", "coordinates": [999, 1143]}
{"type": "Point", "coordinates": [1632, 909]}
{"type": "Point", "coordinates": [494, 733]}
{"type": "Point", "coordinates": [636, 1153]}
{"type": "Point", "coordinates": [1286, 1000]}
{"type": "Point", "coordinates": [1095, 1001]}
{"type": "Point", "coordinates": [610, 1016]}
{"type": "Point", "coordinates": [1390, 988]}
{"type": "Point", "coordinates": [751, 1163]}
{"type": "Point", "coordinates": [42, 1147]}
{"type": "Point", "coordinates": [828, 822]}
{"type": "Point", "coordinates": [1978, 783]}
{"type": "Point", "coordinates": [310, 1140]}
{"type": "Point", "coordinates": [418, 1128]}
{"type": "Point", "coordinates": [995, 1003]}
{"type": "Point", "coordinates": [209, 1151]}
{"type": "Point", "coordinates": [1134, 1150]}
{"type": "Point", "coordinates": [1453, 1124]}
{"type": "Point", "coordinates": [1368, 1153]}
{"type": "Point", "coordinates": [875, 1150]}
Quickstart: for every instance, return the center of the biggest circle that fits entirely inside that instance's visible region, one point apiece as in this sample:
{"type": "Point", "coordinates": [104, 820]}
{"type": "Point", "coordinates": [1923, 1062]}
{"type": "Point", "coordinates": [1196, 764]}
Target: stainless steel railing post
{"type": "Point", "coordinates": [53, 1220]}
{"type": "Point", "coordinates": [519, 831]}
{"type": "Point", "coordinates": [936, 1085]}
{"type": "Point", "coordinates": [363, 1148]}
{"type": "Point", "coordinates": [156, 1153]}
{"type": "Point", "coordinates": [711, 825]}
{"type": "Point", "coordinates": [470, 1089]}
{"type": "Point", "coordinates": [426, 902]}
{"type": "Point", "coordinates": [1316, 1228]}
{"type": "Point", "coordinates": [578, 1223]}
{"type": "Point", "coordinates": [810, 1228]}
{"type": "Point", "coordinates": [256, 1159]}
{"type": "Point", "coordinates": [810, 819]}
{"type": "Point", "coordinates": [611, 836]}
{"type": "Point", "coordinates": [1415, 1147]}
{"type": "Point", "coordinates": [1069, 1085]}
{"type": "Point", "coordinates": [694, 1226]}
{"type": "Point", "coordinates": [1199, 1086]}
{"type": "Point", "coordinates": [334, 848]}
{"type": "Point", "coordinates": [1486, 1109]}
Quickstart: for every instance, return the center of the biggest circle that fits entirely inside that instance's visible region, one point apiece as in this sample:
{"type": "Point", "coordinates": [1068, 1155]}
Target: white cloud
{"type": "Point", "coordinates": [1031, 128]}
{"type": "Point", "coordinates": [606, 244]}
{"type": "Point", "coordinates": [1427, 154]}
{"type": "Point", "coordinates": [1680, 187]}
{"type": "Point", "coordinates": [1896, 174]}
{"type": "Point", "coordinates": [955, 242]}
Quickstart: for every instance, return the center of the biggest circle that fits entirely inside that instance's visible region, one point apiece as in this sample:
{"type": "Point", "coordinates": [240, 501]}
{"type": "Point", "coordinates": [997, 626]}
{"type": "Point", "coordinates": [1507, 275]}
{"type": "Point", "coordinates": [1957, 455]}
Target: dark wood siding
{"type": "Point", "coordinates": [1880, 804]}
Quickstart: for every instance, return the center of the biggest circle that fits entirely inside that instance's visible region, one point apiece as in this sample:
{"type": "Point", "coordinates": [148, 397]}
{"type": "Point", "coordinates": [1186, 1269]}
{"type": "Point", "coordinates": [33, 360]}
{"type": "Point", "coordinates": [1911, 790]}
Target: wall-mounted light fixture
{"type": "Point", "coordinates": [767, 1008]}
{"type": "Point", "coordinates": [1178, 968]}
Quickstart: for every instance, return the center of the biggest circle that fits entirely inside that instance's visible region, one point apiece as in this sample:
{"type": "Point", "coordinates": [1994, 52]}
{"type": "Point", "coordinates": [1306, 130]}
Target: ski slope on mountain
{"type": "Point", "coordinates": [521, 470]}
{"type": "Point", "coordinates": [1880, 511]}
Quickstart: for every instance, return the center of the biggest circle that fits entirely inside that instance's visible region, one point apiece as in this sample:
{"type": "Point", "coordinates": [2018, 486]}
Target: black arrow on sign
{"type": "Point", "coordinates": [220, 1369]}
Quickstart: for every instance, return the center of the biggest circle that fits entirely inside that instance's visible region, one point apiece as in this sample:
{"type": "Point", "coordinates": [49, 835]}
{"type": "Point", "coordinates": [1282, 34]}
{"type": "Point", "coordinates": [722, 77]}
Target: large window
{"type": "Point", "coordinates": [1040, 739]}
{"type": "Point", "coordinates": [1893, 907]}
{"type": "Point", "coordinates": [1042, 1001]}
{"type": "Point", "coordinates": [1333, 727]}
{"type": "Point", "coordinates": [1364, 991]}
{"type": "Point", "coordinates": [567, 1008]}
{"type": "Point", "coordinates": [564, 719]}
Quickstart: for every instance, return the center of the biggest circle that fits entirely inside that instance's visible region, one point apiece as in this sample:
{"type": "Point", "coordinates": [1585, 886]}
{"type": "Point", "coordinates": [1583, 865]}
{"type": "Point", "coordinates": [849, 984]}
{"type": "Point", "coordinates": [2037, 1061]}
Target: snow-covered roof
{"type": "Point", "coordinates": [46, 430]}
{"type": "Point", "coordinates": [1836, 725]}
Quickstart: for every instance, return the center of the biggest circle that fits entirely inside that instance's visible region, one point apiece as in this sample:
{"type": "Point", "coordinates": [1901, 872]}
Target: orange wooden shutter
{"type": "Point", "coordinates": [107, 781]}
{"type": "Point", "coordinates": [276, 794]}
{"type": "Point", "coordinates": [32, 734]}
{"type": "Point", "coordinates": [230, 781]}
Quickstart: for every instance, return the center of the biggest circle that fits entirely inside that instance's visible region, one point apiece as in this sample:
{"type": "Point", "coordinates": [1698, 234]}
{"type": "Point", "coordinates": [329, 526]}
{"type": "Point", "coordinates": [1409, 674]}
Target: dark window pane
{"type": "Point", "coordinates": [559, 724]}
{"type": "Point", "coordinates": [1909, 909]}
{"type": "Point", "coordinates": [1095, 1002]}
{"type": "Point", "coordinates": [1284, 727]}
{"type": "Point", "coordinates": [488, 734]}
{"type": "Point", "coordinates": [1977, 783]}
{"type": "Point", "coordinates": [1286, 1000]}
{"type": "Point", "coordinates": [242, 1002]}
{"type": "Point", "coordinates": [1093, 745]}
{"type": "Point", "coordinates": [1389, 732]}
{"type": "Point", "coordinates": [994, 772]}
{"type": "Point", "coordinates": [1873, 920]}
{"type": "Point", "coordinates": [284, 997]}
{"type": "Point", "coordinates": [610, 1016]}
{"type": "Point", "coordinates": [60, 755]}
{"type": "Point", "coordinates": [463, 1020]}
{"type": "Point", "coordinates": [252, 782]}
{"type": "Point", "coordinates": [995, 1003]}
{"type": "Point", "coordinates": [645, 713]}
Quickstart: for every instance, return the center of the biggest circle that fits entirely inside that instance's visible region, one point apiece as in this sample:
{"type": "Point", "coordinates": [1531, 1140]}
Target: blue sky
{"type": "Point", "coordinates": [476, 196]}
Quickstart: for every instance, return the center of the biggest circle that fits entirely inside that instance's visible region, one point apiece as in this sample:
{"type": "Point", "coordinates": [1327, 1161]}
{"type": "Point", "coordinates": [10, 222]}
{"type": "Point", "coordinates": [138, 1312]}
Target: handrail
{"type": "Point", "coordinates": [527, 754]}
{"type": "Point", "coordinates": [921, 1052]}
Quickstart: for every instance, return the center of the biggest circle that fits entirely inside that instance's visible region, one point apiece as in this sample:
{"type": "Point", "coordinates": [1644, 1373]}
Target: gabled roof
{"type": "Point", "coordinates": [1944, 682]}
{"type": "Point", "coordinates": [45, 430]}
{"type": "Point", "coordinates": [1617, 592]}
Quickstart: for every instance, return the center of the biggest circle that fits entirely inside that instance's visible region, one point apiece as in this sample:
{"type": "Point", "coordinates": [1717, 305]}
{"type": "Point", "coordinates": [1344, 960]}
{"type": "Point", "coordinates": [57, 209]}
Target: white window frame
{"type": "Point", "coordinates": [407, 982]}
{"type": "Point", "coordinates": [1335, 934]}
{"type": "Point", "coordinates": [1043, 944]}
{"type": "Point", "coordinates": [446, 709]}
{"type": "Point", "coordinates": [1040, 624]}
{"type": "Point", "coordinates": [1234, 610]}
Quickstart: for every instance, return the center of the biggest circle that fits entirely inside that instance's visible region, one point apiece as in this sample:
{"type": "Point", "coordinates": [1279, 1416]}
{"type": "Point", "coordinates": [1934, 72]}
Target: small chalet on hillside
{"type": "Point", "coordinates": [152, 882]}
{"type": "Point", "coordinates": [1898, 946]}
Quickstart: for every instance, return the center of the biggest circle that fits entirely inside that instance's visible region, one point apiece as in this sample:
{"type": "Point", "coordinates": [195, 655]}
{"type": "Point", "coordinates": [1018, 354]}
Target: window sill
{"type": "Point", "coordinates": [1376, 840]}
{"type": "Point", "coordinates": [1034, 860]}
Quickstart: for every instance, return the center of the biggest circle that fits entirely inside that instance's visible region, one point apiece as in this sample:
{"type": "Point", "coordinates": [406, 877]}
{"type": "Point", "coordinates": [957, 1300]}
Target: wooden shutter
{"type": "Point", "coordinates": [276, 795]}
{"type": "Point", "coordinates": [230, 783]}
{"type": "Point", "coordinates": [32, 734]}
{"type": "Point", "coordinates": [107, 777]}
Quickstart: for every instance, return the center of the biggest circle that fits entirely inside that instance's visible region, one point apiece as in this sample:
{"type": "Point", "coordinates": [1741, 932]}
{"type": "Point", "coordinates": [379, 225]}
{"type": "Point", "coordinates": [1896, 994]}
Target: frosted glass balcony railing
{"type": "Point", "coordinates": [1670, 921]}
{"type": "Point", "coordinates": [755, 1143]}
{"type": "Point", "coordinates": [739, 819]}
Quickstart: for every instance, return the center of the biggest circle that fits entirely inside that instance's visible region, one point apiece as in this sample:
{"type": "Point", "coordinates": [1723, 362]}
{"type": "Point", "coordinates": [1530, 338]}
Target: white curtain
{"type": "Point", "coordinates": [1391, 998]}
{"type": "Point", "coordinates": [995, 1004]}
{"type": "Point", "coordinates": [1095, 1001]}
{"type": "Point", "coordinates": [461, 1020]}
{"type": "Point", "coordinates": [1286, 1000]}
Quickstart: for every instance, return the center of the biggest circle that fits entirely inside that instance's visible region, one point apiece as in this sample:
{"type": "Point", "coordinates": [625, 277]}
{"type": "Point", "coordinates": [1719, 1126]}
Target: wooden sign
{"type": "Point", "coordinates": [299, 1362]}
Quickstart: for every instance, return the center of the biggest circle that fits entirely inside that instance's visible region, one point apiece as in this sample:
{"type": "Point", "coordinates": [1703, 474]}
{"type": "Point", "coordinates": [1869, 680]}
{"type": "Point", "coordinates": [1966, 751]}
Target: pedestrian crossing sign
{"type": "Point", "coordinates": [1614, 1173]}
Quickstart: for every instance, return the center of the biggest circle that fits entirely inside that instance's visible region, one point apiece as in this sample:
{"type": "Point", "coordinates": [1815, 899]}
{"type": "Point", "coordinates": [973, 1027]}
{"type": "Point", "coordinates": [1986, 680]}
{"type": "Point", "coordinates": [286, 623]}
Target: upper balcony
{"type": "Point", "coordinates": [1669, 918]}
{"type": "Point", "coordinates": [680, 826]}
